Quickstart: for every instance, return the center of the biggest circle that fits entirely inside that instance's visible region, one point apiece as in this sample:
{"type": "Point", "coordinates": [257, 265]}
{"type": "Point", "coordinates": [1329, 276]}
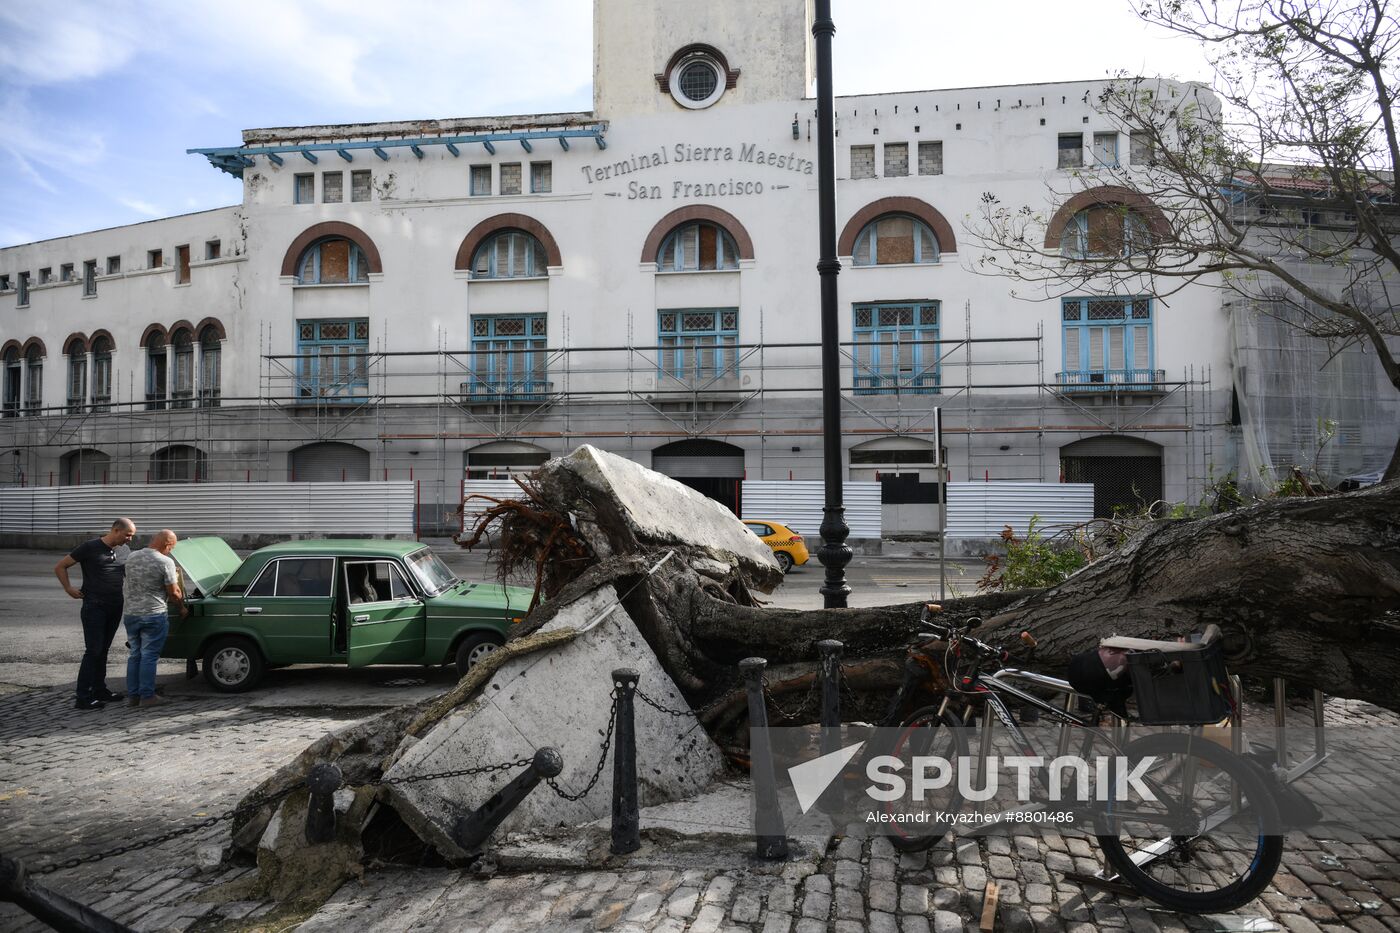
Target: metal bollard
{"type": "Point", "coordinates": [829, 650]}
{"type": "Point", "coordinates": [50, 907]}
{"type": "Point", "coordinates": [472, 830]}
{"type": "Point", "coordinates": [626, 820]}
{"type": "Point", "coordinates": [770, 836]}
{"type": "Point", "coordinates": [322, 783]}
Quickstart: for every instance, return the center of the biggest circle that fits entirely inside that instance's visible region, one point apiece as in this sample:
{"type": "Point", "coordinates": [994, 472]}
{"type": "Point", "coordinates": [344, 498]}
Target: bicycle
{"type": "Point", "coordinates": [1210, 839]}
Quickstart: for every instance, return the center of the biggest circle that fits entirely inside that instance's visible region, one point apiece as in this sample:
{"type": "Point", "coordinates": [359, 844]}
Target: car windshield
{"type": "Point", "coordinates": [432, 574]}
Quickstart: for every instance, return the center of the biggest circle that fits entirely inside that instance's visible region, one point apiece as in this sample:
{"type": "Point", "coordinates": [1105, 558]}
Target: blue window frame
{"type": "Point", "coordinates": [1108, 344]}
{"type": "Point", "coordinates": [334, 261]}
{"type": "Point", "coordinates": [894, 352]}
{"type": "Point", "coordinates": [331, 360]}
{"type": "Point", "coordinates": [508, 358]}
{"type": "Point", "coordinates": [895, 239]}
{"type": "Point", "coordinates": [698, 246]}
{"type": "Point", "coordinates": [509, 254]}
{"type": "Point", "coordinates": [697, 345]}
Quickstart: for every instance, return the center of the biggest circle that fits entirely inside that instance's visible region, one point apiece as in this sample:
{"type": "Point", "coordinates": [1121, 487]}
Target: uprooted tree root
{"type": "Point", "coordinates": [533, 538]}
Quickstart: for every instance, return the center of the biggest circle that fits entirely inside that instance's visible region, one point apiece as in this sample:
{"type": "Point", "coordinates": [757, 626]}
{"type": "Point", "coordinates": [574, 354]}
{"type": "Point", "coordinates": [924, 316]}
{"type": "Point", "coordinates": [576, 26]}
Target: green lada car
{"type": "Point", "coordinates": [353, 602]}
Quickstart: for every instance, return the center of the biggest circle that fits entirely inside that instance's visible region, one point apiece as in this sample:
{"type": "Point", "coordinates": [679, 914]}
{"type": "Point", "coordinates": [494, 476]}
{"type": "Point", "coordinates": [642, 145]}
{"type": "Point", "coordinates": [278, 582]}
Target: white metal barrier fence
{"type": "Point", "coordinates": [213, 508]}
{"type": "Point", "coordinates": [798, 504]}
{"type": "Point", "coordinates": [982, 510]}
{"type": "Point", "coordinates": [495, 488]}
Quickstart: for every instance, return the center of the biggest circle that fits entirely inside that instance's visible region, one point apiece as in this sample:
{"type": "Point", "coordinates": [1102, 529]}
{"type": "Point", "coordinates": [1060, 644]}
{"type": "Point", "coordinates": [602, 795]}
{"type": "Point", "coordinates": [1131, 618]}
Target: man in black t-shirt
{"type": "Point", "coordinates": [103, 561]}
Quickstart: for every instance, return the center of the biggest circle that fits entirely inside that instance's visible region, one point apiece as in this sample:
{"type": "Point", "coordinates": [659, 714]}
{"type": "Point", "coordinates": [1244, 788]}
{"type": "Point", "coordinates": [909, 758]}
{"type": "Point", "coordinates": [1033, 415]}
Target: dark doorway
{"type": "Point", "coordinates": [713, 468]}
{"type": "Point", "coordinates": [1120, 483]}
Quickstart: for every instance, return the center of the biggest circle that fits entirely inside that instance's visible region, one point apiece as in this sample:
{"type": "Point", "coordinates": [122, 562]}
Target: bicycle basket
{"type": "Point", "coordinates": [1180, 688]}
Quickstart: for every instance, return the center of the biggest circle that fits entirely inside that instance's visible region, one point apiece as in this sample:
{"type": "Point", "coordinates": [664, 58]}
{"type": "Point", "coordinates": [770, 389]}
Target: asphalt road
{"type": "Point", "coordinates": [41, 640]}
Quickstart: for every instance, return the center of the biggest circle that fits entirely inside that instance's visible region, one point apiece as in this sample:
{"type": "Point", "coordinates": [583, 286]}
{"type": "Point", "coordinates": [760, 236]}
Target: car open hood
{"type": "Point", "coordinates": [207, 562]}
{"type": "Point", "coordinates": [515, 599]}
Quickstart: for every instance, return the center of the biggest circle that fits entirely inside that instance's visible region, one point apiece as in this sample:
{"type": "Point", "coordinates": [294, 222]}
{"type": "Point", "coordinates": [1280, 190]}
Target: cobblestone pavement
{"type": "Point", "coordinates": [75, 783]}
{"type": "Point", "coordinates": [1330, 881]}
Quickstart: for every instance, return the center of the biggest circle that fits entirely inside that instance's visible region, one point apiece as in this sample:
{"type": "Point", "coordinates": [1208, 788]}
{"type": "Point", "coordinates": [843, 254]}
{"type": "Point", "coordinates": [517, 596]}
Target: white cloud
{"type": "Point", "coordinates": [140, 207]}
{"type": "Point", "coordinates": [49, 42]}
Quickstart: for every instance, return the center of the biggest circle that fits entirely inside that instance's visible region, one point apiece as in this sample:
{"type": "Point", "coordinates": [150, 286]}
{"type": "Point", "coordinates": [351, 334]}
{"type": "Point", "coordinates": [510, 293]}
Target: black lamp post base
{"type": "Point", "coordinates": [834, 555]}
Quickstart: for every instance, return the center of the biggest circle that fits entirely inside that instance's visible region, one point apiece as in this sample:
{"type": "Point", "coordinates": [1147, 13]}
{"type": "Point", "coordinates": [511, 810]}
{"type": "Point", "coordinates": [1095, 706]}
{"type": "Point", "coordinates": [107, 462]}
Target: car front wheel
{"type": "Point", "coordinates": [473, 648]}
{"type": "Point", "coordinates": [784, 560]}
{"type": "Point", "coordinates": [233, 665]}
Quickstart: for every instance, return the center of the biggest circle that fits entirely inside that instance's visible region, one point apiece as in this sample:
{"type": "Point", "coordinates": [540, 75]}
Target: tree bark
{"type": "Point", "coordinates": [1307, 589]}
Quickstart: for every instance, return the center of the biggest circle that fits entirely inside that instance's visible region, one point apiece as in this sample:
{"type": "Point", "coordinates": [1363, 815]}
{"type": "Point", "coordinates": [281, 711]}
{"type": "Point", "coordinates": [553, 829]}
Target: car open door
{"type": "Point", "coordinates": [387, 619]}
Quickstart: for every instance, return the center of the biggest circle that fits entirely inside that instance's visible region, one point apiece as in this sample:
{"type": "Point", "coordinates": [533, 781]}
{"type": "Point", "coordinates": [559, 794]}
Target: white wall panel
{"type": "Point", "coordinates": [798, 504]}
{"type": "Point", "coordinates": [213, 508]}
{"type": "Point", "coordinates": [982, 510]}
{"type": "Point", "coordinates": [495, 488]}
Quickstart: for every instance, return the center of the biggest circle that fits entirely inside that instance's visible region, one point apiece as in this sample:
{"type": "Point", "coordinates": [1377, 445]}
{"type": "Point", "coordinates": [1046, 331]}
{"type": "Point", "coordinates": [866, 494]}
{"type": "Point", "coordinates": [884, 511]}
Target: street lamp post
{"type": "Point", "coordinates": [834, 553]}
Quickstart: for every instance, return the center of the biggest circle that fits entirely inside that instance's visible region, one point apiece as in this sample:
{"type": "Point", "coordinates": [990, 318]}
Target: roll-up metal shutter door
{"type": "Point", "coordinates": [724, 467]}
{"type": "Point", "coordinates": [330, 463]}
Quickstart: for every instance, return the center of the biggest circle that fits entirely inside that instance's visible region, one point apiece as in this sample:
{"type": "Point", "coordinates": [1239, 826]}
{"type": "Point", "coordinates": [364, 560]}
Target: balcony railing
{"type": "Point", "coordinates": [1112, 380]}
{"type": "Point", "coordinates": [881, 384]}
{"type": "Point", "coordinates": [480, 391]}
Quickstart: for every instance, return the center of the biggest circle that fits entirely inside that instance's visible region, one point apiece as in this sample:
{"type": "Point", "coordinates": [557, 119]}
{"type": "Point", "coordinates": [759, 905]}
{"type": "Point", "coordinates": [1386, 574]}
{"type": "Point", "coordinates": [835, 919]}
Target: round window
{"type": "Point", "coordinates": [697, 82]}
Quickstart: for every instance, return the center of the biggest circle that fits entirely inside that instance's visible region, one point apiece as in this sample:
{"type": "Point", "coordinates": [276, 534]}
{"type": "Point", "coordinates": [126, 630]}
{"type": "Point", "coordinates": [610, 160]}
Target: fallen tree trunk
{"type": "Point", "coordinates": [1307, 589]}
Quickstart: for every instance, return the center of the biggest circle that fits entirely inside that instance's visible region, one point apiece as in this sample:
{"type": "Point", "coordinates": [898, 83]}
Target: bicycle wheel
{"type": "Point", "coordinates": [925, 732]}
{"type": "Point", "coordinates": [1209, 842]}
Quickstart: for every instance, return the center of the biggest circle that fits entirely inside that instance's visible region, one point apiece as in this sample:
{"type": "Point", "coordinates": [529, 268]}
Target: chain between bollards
{"type": "Point", "coordinates": [829, 653]}
{"type": "Point", "coordinates": [769, 833]}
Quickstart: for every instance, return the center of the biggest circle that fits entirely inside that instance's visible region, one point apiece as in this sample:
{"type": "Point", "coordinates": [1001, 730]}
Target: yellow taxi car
{"type": "Point", "coordinates": [788, 546]}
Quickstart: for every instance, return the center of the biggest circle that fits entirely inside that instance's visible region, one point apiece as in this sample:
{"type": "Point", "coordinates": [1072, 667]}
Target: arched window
{"type": "Point", "coordinates": [13, 379]}
{"type": "Point", "coordinates": [332, 261]}
{"type": "Point", "coordinates": [182, 386]}
{"type": "Point", "coordinates": [698, 246]}
{"type": "Point", "coordinates": [179, 463]}
{"type": "Point", "coordinates": [101, 373]}
{"type": "Point", "coordinates": [155, 371]}
{"type": "Point", "coordinates": [1105, 231]}
{"type": "Point", "coordinates": [76, 351]}
{"type": "Point", "coordinates": [34, 378]}
{"type": "Point", "coordinates": [895, 238]}
{"type": "Point", "coordinates": [509, 254]}
{"type": "Point", "coordinates": [210, 365]}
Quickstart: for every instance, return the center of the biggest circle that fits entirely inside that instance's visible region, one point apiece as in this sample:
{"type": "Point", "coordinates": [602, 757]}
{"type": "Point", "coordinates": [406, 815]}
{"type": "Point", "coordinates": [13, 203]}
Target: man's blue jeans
{"type": "Point", "coordinates": [146, 635]}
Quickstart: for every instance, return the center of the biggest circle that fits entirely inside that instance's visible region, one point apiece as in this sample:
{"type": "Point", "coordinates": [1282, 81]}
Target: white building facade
{"type": "Point", "coordinates": [457, 298]}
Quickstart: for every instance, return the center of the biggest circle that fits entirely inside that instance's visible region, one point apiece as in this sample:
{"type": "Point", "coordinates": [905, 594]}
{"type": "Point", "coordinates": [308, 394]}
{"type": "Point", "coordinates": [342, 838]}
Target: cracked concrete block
{"type": "Point", "coordinates": [558, 697]}
{"type": "Point", "coordinates": [637, 506]}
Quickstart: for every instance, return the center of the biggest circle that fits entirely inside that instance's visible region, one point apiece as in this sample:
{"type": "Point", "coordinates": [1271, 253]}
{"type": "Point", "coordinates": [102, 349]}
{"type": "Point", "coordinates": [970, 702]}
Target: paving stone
{"type": "Point", "coordinates": [849, 926]}
{"type": "Point", "coordinates": [882, 869]}
{"type": "Point", "coordinates": [1001, 867]}
{"type": "Point", "coordinates": [777, 923]}
{"type": "Point", "coordinates": [808, 925]}
{"type": "Point", "coordinates": [913, 923]}
{"type": "Point", "coordinates": [682, 902]}
{"type": "Point", "coordinates": [709, 919]}
{"type": "Point", "coordinates": [882, 922]}
{"type": "Point", "coordinates": [945, 921]}
{"type": "Point", "coordinates": [746, 909]}
{"type": "Point", "coordinates": [884, 896]}
{"type": "Point", "coordinates": [781, 897]}
{"type": "Point", "coordinates": [913, 899]}
{"type": "Point", "coordinates": [644, 907]}
{"type": "Point", "coordinates": [816, 905]}
{"type": "Point", "coordinates": [719, 890]}
{"type": "Point", "coordinates": [850, 905]}
{"type": "Point", "coordinates": [946, 898]}
{"type": "Point", "coordinates": [1039, 894]}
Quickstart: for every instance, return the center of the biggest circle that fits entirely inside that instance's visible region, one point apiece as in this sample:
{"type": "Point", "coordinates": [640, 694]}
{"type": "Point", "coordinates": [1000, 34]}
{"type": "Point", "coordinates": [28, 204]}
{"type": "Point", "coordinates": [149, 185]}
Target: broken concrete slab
{"type": "Point", "coordinates": [637, 508]}
{"type": "Point", "coordinates": [559, 697]}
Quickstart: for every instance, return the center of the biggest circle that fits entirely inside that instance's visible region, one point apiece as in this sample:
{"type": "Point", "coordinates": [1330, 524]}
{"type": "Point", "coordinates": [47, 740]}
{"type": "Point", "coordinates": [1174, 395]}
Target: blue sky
{"type": "Point", "coordinates": [99, 100]}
